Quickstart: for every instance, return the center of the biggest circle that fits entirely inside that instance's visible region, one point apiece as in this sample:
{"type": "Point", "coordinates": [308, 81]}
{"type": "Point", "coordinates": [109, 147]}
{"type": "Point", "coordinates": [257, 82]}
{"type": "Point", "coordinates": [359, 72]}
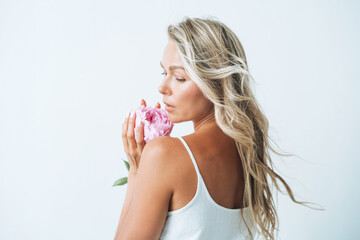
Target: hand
{"type": "Point", "coordinates": [144, 104]}
{"type": "Point", "coordinates": [134, 145]}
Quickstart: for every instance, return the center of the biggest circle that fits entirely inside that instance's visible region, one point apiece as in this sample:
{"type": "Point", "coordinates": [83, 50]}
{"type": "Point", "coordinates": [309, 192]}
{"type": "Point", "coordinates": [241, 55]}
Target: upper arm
{"type": "Point", "coordinates": [153, 190]}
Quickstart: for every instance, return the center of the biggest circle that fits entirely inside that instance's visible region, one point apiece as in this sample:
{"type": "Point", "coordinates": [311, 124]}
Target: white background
{"type": "Point", "coordinates": [71, 70]}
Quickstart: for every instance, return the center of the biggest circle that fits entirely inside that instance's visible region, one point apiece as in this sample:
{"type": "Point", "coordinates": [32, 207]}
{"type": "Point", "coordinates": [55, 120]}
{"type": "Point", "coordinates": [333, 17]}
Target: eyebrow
{"type": "Point", "coordinates": [172, 67]}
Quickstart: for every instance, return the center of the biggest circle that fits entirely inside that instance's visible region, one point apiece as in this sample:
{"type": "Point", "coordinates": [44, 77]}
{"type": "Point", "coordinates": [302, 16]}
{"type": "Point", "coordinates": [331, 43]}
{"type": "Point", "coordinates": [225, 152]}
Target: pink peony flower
{"type": "Point", "coordinates": [154, 120]}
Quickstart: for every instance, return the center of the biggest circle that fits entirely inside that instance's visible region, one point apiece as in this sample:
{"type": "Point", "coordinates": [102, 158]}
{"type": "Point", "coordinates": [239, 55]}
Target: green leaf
{"type": "Point", "coordinates": [120, 181]}
{"type": "Point", "coordinates": [127, 165]}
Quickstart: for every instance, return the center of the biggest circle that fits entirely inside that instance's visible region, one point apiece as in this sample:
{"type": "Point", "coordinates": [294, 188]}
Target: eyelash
{"type": "Point", "coordinates": [179, 79]}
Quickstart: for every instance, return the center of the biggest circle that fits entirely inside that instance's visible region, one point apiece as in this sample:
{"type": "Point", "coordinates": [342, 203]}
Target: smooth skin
{"type": "Point", "coordinates": [153, 168]}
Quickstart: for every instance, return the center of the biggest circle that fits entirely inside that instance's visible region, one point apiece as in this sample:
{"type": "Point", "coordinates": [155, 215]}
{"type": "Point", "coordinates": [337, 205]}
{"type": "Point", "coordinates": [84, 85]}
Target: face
{"type": "Point", "coordinates": [179, 91]}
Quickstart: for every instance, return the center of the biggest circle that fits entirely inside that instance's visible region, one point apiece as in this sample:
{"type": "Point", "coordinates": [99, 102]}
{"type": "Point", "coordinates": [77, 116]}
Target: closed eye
{"type": "Point", "coordinates": [179, 79]}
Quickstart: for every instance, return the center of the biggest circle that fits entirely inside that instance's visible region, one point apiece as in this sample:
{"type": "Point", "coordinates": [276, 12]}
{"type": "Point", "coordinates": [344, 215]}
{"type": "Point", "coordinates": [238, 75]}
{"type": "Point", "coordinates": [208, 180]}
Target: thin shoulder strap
{"type": "Point", "coordinates": [191, 156]}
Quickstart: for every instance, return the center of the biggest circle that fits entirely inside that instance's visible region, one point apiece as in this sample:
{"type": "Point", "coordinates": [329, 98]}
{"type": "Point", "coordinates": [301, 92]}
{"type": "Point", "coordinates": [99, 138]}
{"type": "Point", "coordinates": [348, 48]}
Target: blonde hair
{"type": "Point", "coordinates": [215, 60]}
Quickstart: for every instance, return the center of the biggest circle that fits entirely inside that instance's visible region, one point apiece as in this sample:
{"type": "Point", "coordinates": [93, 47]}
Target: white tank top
{"type": "Point", "coordinates": [203, 219]}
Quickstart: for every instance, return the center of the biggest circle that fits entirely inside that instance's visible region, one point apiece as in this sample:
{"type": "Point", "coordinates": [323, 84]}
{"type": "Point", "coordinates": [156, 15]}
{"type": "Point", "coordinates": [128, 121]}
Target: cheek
{"type": "Point", "coordinates": [193, 102]}
{"type": "Point", "coordinates": [190, 96]}
{"type": "Point", "coordinates": [190, 101]}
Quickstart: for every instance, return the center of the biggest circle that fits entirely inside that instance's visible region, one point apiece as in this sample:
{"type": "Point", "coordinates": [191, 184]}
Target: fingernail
{"type": "Point", "coordinates": [132, 114]}
{"type": "Point", "coordinates": [129, 113]}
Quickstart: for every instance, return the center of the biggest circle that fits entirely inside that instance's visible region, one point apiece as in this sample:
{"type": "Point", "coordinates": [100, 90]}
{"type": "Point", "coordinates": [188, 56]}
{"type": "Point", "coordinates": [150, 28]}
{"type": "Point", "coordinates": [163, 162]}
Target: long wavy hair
{"type": "Point", "coordinates": [215, 60]}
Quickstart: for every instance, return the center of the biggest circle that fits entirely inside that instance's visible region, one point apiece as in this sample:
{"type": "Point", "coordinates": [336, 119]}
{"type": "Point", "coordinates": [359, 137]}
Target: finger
{"type": "Point", "coordinates": [143, 102]}
{"type": "Point", "coordinates": [124, 133]}
{"type": "Point", "coordinates": [130, 133]}
{"type": "Point", "coordinates": [140, 137]}
{"type": "Point", "coordinates": [157, 105]}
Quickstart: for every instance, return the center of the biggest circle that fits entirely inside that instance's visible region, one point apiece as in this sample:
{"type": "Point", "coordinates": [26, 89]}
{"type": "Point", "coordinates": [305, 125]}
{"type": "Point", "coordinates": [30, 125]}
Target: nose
{"type": "Point", "coordinates": [163, 88]}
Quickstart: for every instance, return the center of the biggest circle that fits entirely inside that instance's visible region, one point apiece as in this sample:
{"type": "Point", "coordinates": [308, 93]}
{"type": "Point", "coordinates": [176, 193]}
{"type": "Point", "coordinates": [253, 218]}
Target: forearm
{"type": "Point", "coordinates": [127, 202]}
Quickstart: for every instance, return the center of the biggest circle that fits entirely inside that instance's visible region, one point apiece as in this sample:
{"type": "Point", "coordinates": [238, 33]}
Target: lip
{"type": "Point", "coordinates": [168, 107]}
{"type": "Point", "coordinates": [168, 104]}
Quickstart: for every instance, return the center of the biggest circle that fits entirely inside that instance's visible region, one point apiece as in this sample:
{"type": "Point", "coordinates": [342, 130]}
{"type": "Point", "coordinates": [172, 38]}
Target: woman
{"type": "Point", "coordinates": [211, 184]}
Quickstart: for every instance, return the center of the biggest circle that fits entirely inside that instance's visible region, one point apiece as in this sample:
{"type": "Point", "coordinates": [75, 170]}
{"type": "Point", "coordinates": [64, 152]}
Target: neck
{"type": "Point", "coordinates": [208, 120]}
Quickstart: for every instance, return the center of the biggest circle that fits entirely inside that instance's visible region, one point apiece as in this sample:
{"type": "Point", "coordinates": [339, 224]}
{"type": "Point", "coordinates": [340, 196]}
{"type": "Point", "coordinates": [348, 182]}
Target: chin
{"type": "Point", "coordinates": [172, 119]}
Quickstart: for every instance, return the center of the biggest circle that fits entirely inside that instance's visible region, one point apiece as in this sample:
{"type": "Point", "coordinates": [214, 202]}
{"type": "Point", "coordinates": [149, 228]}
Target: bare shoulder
{"type": "Point", "coordinates": [162, 152]}
{"type": "Point", "coordinates": [163, 145]}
